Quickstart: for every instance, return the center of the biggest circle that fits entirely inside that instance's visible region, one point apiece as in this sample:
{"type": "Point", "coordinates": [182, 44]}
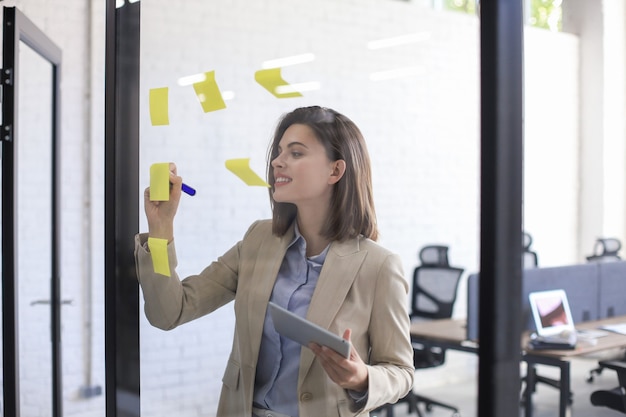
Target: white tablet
{"type": "Point", "coordinates": [303, 331]}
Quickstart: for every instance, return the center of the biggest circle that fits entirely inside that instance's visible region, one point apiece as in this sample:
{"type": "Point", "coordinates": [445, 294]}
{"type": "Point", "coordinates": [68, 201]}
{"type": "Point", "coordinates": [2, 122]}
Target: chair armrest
{"type": "Point", "coordinates": [619, 366]}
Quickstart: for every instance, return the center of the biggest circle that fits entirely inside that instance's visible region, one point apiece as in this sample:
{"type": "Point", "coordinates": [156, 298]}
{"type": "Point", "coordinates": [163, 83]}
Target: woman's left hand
{"type": "Point", "coordinates": [349, 373]}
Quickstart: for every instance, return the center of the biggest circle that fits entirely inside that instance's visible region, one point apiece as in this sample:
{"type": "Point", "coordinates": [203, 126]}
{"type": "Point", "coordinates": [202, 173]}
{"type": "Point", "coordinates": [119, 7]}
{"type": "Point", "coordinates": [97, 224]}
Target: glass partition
{"type": "Point", "coordinates": [216, 76]}
{"type": "Point", "coordinates": [34, 229]}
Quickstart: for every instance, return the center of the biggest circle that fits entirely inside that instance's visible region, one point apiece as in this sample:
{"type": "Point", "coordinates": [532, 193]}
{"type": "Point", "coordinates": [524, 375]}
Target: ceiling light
{"type": "Point", "coordinates": [191, 79]}
{"type": "Point", "coordinates": [399, 40]}
{"type": "Point", "coordinates": [298, 88]}
{"type": "Point", "coordinates": [290, 60]}
{"type": "Point", "coordinates": [396, 73]}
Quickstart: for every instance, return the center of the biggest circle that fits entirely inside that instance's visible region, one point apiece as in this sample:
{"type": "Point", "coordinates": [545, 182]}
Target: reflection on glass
{"type": "Point", "coordinates": [406, 74]}
{"type": "Point", "coordinates": [33, 158]}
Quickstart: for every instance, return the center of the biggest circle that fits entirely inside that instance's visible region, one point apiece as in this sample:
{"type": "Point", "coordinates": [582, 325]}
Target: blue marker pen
{"type": "Point", "coordinates": [187, 189]}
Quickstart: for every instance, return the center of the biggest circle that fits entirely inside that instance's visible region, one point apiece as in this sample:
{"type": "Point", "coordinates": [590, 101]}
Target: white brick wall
{"type": "Point", "coordinates": [422, 132]}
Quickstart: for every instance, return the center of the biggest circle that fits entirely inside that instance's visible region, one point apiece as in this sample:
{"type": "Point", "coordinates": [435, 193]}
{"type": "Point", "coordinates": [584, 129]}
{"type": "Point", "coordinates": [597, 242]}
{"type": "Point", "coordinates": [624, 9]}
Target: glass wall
{"type": "Point", "coordinates": [34, 231]}
{"type": "Point", "coordinates": [216, 76]}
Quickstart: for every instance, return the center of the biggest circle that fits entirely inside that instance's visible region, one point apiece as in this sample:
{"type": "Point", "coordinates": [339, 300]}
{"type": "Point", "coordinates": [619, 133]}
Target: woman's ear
{"type": "Point", "coordinates": [339, 168]}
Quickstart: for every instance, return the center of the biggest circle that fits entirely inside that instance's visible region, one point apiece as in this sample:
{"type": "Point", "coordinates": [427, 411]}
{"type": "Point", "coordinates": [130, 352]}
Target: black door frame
{"type": "Point", "coordinates": [121, 211]}
{"type": "Point", "coordinates": [17, 27]}
{"type": "Point", "coordinates": [501, 41]}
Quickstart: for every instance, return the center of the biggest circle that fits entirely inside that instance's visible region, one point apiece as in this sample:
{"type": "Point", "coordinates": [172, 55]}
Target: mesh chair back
{"type": "Point", "coordinates": [529, 257]}
{"type": "Point", "coordinates": [435, 290]}
{"type": "Point", "coordinates": [435, 284]}
{"type": "Point", "coordinates": [606, 250]}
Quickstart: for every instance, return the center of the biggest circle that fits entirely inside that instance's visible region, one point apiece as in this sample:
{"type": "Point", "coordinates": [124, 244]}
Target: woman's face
{"type": "Point", "coordinates": [302, 171]}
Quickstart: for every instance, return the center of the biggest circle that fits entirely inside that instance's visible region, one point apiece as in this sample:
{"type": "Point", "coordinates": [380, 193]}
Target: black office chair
{"type": "Point", "coordinates": [615, 399]}
{"type": "Point", "coordinates": [606, 250]}
{"type": "Point", "coordinates": [435, 285]}
{"type": "Point", "coordinates": [529, 257]}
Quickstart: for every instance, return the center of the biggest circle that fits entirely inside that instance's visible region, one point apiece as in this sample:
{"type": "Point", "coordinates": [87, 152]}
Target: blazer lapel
{"type": "Point", "coordinates": [269, 260]}
{"type": "Point", "coordinates": [338, 273]}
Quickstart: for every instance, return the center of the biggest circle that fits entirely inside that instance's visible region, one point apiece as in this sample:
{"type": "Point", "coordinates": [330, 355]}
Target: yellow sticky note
{"type": "Point", "coordinates": [241, 168]}
{"type": "Point", "coordinates": [158, 251]}
{"type": "Point", "coordinates": [160, 181]}
{"type": "Point", "coordinates": [159, 113]}
{"type": "Point", "coordinates": [272, 78]}
{"type": "Point", "coordinates": [209, 93]}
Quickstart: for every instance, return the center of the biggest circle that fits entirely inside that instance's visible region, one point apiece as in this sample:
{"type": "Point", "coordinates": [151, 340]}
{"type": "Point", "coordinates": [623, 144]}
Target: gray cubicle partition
{"type": "Point", "coordinates": [612, 289]}
{"type": "Point", "coordinates": [580, 282]}
{"type": "Point", "coordinates": [472, 306]}
{"type": "Point", "coordinates": [594, 291]}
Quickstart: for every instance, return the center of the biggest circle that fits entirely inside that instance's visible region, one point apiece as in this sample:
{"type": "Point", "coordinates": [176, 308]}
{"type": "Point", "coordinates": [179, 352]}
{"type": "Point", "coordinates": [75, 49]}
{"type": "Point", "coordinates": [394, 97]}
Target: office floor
{"type": "Point", "coordinates": [462, 392]}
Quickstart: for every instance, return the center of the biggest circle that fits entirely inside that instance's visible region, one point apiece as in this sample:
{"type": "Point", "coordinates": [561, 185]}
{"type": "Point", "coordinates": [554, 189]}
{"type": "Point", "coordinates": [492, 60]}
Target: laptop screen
{"type": "Point", "coordinates": [551, 312]}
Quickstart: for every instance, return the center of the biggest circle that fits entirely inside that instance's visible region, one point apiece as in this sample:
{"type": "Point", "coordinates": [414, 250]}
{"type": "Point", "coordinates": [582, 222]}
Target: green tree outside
{"type": "Point", "coordinates": [545, 14]}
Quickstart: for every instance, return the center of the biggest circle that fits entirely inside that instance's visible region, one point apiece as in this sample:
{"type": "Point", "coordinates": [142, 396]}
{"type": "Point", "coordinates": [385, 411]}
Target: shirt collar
{"type": "Point", "coordinates": [319, 259]}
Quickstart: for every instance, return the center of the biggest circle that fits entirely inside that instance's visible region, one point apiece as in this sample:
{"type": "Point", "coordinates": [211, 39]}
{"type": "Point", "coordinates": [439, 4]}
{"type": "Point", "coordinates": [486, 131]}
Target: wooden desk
{"type": "Point", "coordinates": [451, 334]}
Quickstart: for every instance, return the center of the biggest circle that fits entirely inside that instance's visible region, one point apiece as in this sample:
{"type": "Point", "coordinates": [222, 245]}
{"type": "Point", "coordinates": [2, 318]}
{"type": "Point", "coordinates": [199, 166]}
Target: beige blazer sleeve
{"type": "Point", "coordinates": [361, 287]}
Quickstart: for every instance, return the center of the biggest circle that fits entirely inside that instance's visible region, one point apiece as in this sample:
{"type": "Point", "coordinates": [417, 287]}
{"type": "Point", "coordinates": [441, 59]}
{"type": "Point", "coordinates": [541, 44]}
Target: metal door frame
{"type": "Point", "coordinates": [121, 208]}
{"type": "Point", "coordinates": [17, 27]}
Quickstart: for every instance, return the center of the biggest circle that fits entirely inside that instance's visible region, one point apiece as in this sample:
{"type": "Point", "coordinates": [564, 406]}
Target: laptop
{"type": "Point", "coordinates": [553, 320]}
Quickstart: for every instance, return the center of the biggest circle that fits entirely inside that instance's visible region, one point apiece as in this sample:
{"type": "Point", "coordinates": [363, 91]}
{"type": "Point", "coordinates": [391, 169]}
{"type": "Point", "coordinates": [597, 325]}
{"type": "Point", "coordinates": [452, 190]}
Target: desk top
{"type": "Point", "coordinates": [444, 330]}
{"type": "Point", "coordinates": [585, 347]}
{"type": "Point", "coordinates": [452, 333]}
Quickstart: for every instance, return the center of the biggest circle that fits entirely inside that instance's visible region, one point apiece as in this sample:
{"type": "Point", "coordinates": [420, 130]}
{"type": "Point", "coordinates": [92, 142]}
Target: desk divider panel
{"type": "Point", "coordinates": [612, 300]}
{"type": "Point", "coordinates": [580, 282]}
{"type": "Point", "coordinates": [473, 291]}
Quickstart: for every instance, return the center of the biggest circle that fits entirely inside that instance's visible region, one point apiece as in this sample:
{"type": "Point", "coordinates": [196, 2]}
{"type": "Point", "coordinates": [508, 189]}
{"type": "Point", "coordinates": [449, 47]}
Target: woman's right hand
{"type": "Point", "coordinates": [160, 214]}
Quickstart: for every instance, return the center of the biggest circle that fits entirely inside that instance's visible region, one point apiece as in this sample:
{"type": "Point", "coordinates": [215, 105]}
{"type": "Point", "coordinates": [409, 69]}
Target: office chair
{"type": "Point", "coordinates": [605, 250]}
{"type": "Point", "coordinates": [615, 399]}
{"type": "Point", "coordinates": [434, 291]}
{"type": "Point", "coordinates": [529, 257]}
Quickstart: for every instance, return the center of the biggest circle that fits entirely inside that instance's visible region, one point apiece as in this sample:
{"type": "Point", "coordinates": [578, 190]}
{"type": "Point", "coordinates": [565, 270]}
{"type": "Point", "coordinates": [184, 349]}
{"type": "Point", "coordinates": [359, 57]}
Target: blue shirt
{"type": "Point", "coordinates": [276, 384]}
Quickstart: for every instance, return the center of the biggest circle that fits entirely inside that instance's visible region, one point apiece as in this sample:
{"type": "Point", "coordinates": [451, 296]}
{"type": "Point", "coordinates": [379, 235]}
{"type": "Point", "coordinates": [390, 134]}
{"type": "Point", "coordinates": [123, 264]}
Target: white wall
{"type": "Point", "coordinates": [600, 27]}
{"type": "Point", "coordinates": [551, 151]}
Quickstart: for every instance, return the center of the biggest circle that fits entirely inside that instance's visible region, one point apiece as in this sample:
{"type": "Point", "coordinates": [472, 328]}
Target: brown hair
{"type": "Point", "coordinates": [352, 210]}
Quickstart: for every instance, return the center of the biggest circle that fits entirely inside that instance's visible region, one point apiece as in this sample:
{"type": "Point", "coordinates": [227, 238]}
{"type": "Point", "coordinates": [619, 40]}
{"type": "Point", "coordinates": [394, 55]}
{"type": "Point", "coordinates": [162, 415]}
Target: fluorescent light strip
{"type": "Point", "coordinates": [290, 60]}
{"type": "Point", "coordinates": [297, 88]}
{"type": "Point", "coordinates": [396, 73]}
{"type": "Point", "coordinates": [399, 40]}
{"type": "Point", "coordinates": [228, 95]}
{"type": "Point", "coordinates": [191, 79]}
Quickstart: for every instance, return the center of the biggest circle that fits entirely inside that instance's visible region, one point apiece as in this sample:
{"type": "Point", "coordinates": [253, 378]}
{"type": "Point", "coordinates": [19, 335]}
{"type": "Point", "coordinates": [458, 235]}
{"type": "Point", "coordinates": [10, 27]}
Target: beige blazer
{"type": "Point", "coordinates": [361, 286]}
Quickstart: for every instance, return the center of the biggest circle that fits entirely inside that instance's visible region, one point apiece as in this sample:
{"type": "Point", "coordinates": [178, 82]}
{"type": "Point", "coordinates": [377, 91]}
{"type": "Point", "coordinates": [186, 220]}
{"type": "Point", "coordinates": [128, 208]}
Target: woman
{"type": "Point", "coordinates": [316, 257]}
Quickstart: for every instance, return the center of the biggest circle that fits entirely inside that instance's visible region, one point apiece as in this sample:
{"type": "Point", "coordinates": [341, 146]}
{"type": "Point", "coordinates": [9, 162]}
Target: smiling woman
{"type": "Point", "coordinates": [331, 147]}
{"type": "Point", "coordinates": [408, 76]}
{"type": "Point", "coordinates": [317, 259]}
{"type": "Point", "coordinates": [266, 52]}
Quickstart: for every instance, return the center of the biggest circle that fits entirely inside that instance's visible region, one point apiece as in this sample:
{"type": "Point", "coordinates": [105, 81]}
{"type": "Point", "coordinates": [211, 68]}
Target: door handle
{"type": "Point", "coordinates": [63, 302]}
